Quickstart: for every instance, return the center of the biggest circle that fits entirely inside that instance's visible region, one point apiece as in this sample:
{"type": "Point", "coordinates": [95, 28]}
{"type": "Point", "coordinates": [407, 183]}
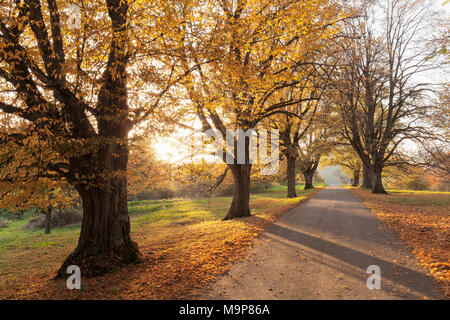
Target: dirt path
{"type": "Point", "coordinates": [321, 250]}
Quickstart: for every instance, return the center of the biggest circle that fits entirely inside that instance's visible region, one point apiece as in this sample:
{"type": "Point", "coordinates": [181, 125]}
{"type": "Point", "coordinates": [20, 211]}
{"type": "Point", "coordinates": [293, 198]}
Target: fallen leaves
{"type": "Point", "coordinates": [178, 261]}
{"type": "Point", "coordinates": [423, 221]}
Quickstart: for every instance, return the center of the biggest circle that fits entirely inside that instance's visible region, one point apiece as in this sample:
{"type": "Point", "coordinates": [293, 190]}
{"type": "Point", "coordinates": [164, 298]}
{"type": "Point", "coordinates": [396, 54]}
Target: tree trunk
{"type": "Point", "coordinates": [377, 182]}
{"type": "Point", "coordinates": [105, 243]}
{"type": "Point", "coordinates": [356, 174]}
{"type": "Point", "coordinates": [308, 175]}
{"type": "Point", "coordinates": [48, 220]}
{"type": "Point", "coordinates": [291, 193]}
{"type": "Point", "coordinates": [240, 206]}
{"type": "Point", "coordinates": [367, 178]}
{"type": "Point", "coordinates": [20, 214]}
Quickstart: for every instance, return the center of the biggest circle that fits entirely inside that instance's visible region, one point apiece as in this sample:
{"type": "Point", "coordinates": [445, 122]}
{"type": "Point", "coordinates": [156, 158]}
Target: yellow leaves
{"type": "Point", "coordinates": [425, 228]}
{"type": "Point", "coordinates": [178, 260]}
{"type": "Point", "coordinates": [262, 45]}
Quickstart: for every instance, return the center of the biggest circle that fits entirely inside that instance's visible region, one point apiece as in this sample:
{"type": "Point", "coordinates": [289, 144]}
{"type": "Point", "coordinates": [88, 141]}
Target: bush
{"type": "Point", "coordinates": [163, 193]}
{"type": "Point", "coordinates": [260, 186]}
{"type": "Point", "coordinates": [59, 218]}
{"type": "Point", "coordinates": [3, 223]}
{"type": "Point", "coordinates": [224, 190]}
{"type": "Point", "coordinates": [418, 183]}
{"type": "Point", "coordinates": [192, 190]}
{"type": "Point", "coordinates": [17, 215]}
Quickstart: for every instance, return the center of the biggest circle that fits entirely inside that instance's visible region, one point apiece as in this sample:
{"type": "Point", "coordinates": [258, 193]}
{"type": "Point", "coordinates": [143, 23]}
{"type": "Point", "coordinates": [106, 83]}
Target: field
{"type": "Point", "coordinates": [422, 219]}
{"type": "Point", "coordinates": [184, 243]}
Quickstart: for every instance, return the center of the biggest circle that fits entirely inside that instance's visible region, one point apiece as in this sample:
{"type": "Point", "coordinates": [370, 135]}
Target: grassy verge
{"type": "Point", "coordinates": [422, 219]}
{"type": "Point", "coordinates": [184, 243]}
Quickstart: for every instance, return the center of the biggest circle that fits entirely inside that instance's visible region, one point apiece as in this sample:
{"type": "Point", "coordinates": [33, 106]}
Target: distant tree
{"type": "Point", "coordinates": [292, 128]}
{"type": "Point", "coordinates": [436, 158]}
{"type": "Point", "coordinates": [412, 179]}
{"type": "Point", "coordinates": [345, 157]}
{"type": "Point", "coordinates": [418, 182]}
{"type": "Point", "coordinates": [379, 99]}
{"type": "Point", "coordinates": [295, 124]}
{"type": "Point", "coordinates": [24, 186]}
{"type": "Point", "coordinates": [313, 145]}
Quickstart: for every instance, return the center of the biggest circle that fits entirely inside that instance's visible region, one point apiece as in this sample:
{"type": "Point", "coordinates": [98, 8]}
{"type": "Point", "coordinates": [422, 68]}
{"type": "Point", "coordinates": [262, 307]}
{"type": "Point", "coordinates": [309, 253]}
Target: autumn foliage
{"type": "Point", "coordinates": [423, 221]}
{"type": "Point", "coordinates": [87, 86]}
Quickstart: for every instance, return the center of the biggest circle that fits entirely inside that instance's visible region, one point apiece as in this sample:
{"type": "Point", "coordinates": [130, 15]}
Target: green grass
{"type": "Point", "coordinates": [420, 198]}
{"type": "Point", "coordinates": [396, 191]}
{"type": "Point", "coordinates": [189, 211]}
{"type": "Point", "coordinates": [23, 250]}
{"type": "Point", "coordinates": [151, 211]}
{"type": "Point", "coordinates": [412, 198]}
{"type": "Point", "coordinates": [422, 202]}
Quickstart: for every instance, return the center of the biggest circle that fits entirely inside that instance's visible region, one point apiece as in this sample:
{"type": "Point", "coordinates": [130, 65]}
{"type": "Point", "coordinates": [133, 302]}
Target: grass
{"type": "Point", "coordinates": [184, 243]}
{"type": "Point", "coordinates": [422, 219]}
{"type": "Point", "coordinates": [419, 198]}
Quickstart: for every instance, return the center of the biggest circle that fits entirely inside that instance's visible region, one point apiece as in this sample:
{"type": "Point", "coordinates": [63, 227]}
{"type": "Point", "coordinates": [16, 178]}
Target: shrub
{"type": "Point", "coordinates": [59, 218]}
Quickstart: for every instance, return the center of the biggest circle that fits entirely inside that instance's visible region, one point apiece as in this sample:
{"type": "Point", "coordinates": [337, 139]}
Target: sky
{"type": "Point", "coordinates": [330, 175]}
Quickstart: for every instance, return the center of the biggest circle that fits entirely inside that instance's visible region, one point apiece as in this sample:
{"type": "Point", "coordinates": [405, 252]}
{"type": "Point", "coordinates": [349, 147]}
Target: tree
{"type": "Point", "coordinates": [290, 135]}
{"type": "Point", "coordinates": [345, 157]}
{"type": "Point", "coordinates": [22, 184]}
{"type": "Point", "coordinates": [72, 88]}
{"type": "Point", "coordinates": [380, 100]}
{"type": "Point", "coordinates": [294, 124]}
{"type": "Point", "coordinates": [314, 144]}
{"type": "Point", "coordinates": [254, 50]}
{"type": "Point", "coordinates": [42, 194]}
{"type": "Point", "coordinates": [436, 158]}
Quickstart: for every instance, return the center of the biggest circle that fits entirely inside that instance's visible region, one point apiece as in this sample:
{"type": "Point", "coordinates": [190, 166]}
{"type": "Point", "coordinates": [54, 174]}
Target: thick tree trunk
{"type": "Point", "coordinates": [308, 175]}
{"type": "Point", "coordinates": [356, 174]}
{"type": "Point", "coordinates": [367, 178]}
{"type": "Point", "coordinates": [377, 182]}
{"type": "Point", "coordinates": [291, 193]}
{"type": "Point", "coordinates": [105, 243]}
{"type": "Point", "coordinates": [240, 206]}
{"type": "Point", "coordinates": [48, 220]}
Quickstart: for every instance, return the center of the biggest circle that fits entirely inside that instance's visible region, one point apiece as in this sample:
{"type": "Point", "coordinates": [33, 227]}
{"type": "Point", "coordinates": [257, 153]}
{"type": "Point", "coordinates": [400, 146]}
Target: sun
{"type": "Point", "coordinates": [170, 150]}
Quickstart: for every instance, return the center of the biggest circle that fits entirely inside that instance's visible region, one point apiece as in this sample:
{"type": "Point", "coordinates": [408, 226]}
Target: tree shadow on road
{"type": "Point", "coordinates": [394, 272]}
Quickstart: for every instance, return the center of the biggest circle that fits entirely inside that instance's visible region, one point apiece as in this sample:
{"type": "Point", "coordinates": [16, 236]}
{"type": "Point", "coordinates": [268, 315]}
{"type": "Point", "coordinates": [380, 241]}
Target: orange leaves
{"type": "Point", "coordinates": [423, 221]}
{"type": "Point", "coordinates": [178, 261]}
{"type": "Point", "coordinates": [253, 55]}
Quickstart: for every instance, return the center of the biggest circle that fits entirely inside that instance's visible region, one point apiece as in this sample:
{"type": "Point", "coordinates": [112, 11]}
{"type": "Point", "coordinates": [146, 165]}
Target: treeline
{"type": "Point", "coordinates": [327, 74]}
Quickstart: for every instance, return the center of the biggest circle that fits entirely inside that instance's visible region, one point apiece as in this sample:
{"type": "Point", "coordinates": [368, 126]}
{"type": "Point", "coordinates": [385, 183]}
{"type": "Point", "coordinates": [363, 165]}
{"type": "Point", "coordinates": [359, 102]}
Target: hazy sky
{"type": "Point", "coordinates": [330, 175]}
